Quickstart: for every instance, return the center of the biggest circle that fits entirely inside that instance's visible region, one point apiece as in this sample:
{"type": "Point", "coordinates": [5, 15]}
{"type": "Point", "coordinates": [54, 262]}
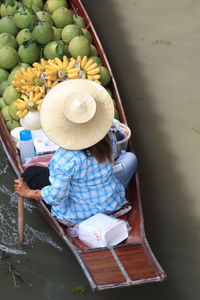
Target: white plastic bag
{"type": "Point", "coordinates": [102, 230]}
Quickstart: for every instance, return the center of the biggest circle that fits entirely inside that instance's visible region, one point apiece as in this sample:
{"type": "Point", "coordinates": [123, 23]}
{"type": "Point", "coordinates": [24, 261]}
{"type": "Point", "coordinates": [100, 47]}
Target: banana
{"type": "Point", "coordinates": [23, 113]}
{"type": "Point", "coordinates": [53, 65]}
{"type": "Point", "coordinates": [71, 64]}
{"type": "Point", "coordinates": [83, 62]}
{"type": "Point", "coordinates": [37, 66]}
{"type": "Point", "coordinates": [59, 62]}
{"type": "Point", "coordinates": [38, 107]}
{"type": "Point", "coordinates": [31, 96]}
{"type": "Point", "coordinates": [25, 98]}
{"type": "Point", "coordinates": [74, 70]}
{"type": "Point", "coordinates": [54, 83]}
{"type": "Point", "coordinates": [78, 58]}
{"type": "Point", "coordinates": [20, 101]}
{"type": "Point", "coordinates": [29, 72]}
{"type": "Point", "coordinates": [65, 62]}
{"type": "Point", "coordinates": [93, 66]}
{"type": "Point", "coordinates": [52, 77]}
{"type": "Point", "coordinates": [89, 63]}
{"type": "Point", "coordinates": [97, 81]}
{"type": "Point", "coordinates": [37, 97]}
{"type": "Point", "coordinates": [95, 77]}
{"type": "Point", "coordinates": [73, 75]}
{"type": "Point", "coordinates": [39, 101]}
{"type": "Point", "coordinates": [21, 106]}
{"type": "Point", "coordinates": [94, 72]}
{"type": "Point", "coordinates": [36, 89]}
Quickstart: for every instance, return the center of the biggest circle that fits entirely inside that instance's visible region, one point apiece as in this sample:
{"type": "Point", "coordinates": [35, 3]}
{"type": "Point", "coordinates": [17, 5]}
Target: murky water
{"type": "Point", "coordinates": [153, 48]}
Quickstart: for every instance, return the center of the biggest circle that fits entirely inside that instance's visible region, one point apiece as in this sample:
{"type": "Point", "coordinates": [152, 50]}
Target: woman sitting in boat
{"type": "Point", "coordinates": [77, 115]}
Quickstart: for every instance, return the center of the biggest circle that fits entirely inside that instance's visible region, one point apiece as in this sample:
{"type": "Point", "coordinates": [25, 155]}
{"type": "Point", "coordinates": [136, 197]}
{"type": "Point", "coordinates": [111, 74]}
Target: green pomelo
{"type": "Point", "coordinates": [12, 111]}
{"type": "Point", "coordinates": [12, 124]}
{"type": "Point", "coordinates": [7, 24]}
{"type": "Point", "coordinates": [3, 10]}
{"type": "Point", "coordinates": [23, 35]}
{"type": "Point", "coordinates": [57, 33]}
{"type": "Point", "coordinates": [5, 113]}
{"type": "Point", "coordinates": [10, 77]}
{"type": "Point", "coordinates": [105, 76]}
{"type": "Point", "coordinates": [23, 18]}
{"type": "Point", "coordinates": [3, 75]}
{"type": "Point", "coordinates": [14, 71]}
{"type": "Point", "coordinates": [79, 45]}
{"type": "Point", "coordinates": [93, 50]}
{"type": "Point", "coordinates": [79, 21]}
{"type": "Point", "coordinates": [31, 3]}
{"type": "Point", "coordinates": [52, 5]}
{"type": "Point", "coordinates": [44, 16]}
{"type": "Point", "coordinates": [29, 54]}
{"type": "Point", "coordinates": [3, 86]}
{"type": "Point", "coordinates": [8, 10]}
{"type": "Point", "coordinates": [62, 17]}
{"type": "Point", "coordinates": [96, 59]}
{"type": "Point", "coordinates": [69, 32]}
{"type": "Point", "coordinates": [87, 34]}
{"type": "Point", "coordinates": [10, 94]}
{"type": "Point", "coordinates": [7, 39]}
{"type": "Point", "coordinates": [20, 66]}
{"type": "Point", "coordinates": [12, 9]}
{"type": "Point", "coordinates": [55, 49]}
{"type": "Point", "coordinates": [35, 8]}
{"type": "Point", "coordinates": [8, 57]}
{"type": "Point", "coordinates": [2, 103]}
{"type": "Point", "coordinates": [43, 33]}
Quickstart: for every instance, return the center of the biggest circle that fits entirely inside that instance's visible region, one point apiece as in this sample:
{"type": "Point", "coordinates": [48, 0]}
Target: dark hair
{"type": "Point", "coordinates": [102, 151]}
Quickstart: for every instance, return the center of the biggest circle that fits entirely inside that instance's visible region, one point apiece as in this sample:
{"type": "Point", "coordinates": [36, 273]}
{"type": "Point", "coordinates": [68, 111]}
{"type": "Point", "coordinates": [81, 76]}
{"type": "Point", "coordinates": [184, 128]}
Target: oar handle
{"type": "Point", "coordinates": [20, 219]}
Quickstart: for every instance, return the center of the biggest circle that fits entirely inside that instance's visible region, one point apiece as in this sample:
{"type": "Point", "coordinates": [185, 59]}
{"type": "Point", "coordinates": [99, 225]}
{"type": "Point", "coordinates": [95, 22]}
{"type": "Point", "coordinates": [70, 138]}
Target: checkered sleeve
{"type": "Point", "coordinates": [61, 171]}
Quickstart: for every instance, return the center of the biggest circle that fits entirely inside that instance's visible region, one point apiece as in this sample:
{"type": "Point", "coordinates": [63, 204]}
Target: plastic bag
{"type": "Point", "coordinates": [102, 230]}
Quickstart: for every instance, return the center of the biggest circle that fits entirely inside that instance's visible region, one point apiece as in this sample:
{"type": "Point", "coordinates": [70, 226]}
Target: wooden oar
{"type": "Point", "coordinates": [20, 220]}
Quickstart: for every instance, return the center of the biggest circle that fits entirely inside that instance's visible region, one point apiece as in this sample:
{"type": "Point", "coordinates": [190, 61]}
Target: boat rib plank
{"type": "Point", "coordinates": [136, 262]}
{"type": "Point", "coordinates": [103, 267]}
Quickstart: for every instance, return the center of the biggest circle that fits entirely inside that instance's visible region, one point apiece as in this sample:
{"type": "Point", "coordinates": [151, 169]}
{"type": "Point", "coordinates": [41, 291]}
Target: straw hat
{"type": "Point", "coordinates": [77, 113]}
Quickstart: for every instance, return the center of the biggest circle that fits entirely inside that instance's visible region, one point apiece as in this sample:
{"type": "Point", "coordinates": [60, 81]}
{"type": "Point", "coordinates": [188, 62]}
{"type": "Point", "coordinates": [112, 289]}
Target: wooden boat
{"type": "Point", "coordinates": [130, 263]}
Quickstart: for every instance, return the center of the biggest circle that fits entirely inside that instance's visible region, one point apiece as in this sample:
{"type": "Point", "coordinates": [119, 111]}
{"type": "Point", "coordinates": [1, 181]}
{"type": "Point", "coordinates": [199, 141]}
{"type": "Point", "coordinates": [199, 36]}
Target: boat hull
{"type": "Point", "coordinates": [128, 264]}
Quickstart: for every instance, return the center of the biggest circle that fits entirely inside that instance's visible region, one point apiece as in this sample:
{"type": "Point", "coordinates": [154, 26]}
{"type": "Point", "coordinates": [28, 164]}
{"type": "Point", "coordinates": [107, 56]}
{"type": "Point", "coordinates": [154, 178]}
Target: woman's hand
{"type": "Point", "coordinates": [22, 188]}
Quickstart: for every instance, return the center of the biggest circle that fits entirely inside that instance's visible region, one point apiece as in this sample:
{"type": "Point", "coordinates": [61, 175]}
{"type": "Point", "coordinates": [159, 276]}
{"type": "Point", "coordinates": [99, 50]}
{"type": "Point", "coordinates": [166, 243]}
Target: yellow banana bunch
{"type": "Point", "coordinates": [29, 102]}
{"type": "Point", "coordinates": [27, 79]}
{"type": "Point", "coordinates": [89, 69]}
{"type": "Point", "coordinates": [61, 69]}
{"type": "Point", "coordinates": [40, 66]}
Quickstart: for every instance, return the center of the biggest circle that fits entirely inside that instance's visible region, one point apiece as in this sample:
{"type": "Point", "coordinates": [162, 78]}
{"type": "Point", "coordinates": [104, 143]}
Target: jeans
{"type": "Point", "coordinates": [128, 160]}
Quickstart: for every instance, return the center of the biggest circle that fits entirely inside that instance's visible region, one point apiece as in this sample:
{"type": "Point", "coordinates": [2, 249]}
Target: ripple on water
{"type": "Point", "coordinates": [8, 223]}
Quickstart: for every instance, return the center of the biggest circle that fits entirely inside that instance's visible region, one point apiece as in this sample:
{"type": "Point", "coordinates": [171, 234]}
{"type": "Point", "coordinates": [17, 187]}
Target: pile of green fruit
{"type": "Point", "coordinates": [31, 30]}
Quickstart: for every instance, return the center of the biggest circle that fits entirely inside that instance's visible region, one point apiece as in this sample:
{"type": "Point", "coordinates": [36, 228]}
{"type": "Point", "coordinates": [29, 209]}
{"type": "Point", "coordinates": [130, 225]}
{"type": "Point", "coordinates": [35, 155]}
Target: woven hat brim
{"type": "Point", "coordinates": [74, 136]}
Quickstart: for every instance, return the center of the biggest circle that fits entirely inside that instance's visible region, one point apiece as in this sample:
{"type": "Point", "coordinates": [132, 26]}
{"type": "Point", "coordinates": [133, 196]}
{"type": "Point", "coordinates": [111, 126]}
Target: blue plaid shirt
{"type": "Point", "coordinates": [81, 186]}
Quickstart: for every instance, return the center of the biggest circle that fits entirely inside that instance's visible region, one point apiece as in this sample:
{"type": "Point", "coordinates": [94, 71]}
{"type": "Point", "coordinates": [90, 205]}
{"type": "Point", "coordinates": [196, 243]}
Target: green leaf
{"type": "Point", "coordinates": [31, 11]}
{"type": "Point", "coordinates": [59, 50]}
{"type": "Point", "coordinates": [26, 44]}
{"type": "Point", "coordinates": [80, 289]}
{"type": "Point", "coordinates": [31, 26]}
{"type": "Point", "coordinates": [10, 3]}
